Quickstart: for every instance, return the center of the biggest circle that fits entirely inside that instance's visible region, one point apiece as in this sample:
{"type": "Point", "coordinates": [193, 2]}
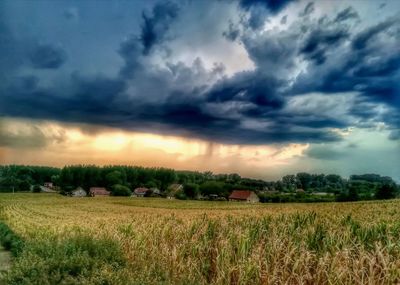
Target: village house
{"type": "Point", "coordinates": [98, 191]}
{"type": "Point", "coordinates": [213, 197]}
{"type": "Point", "coordinates": [140, 192]}
{"type": "Point", "coordinates": [155, 191]}
{"type": "Point", "coordinates": [47, 189]}
{"type": "Point", "coordinates": [173, 189]}
{"type": "Point", "coordinates": [244, 195]}
{"type": "Point", "coordinates": [48, 184]}
{"type": "Point", "coordinates": [78, 192]}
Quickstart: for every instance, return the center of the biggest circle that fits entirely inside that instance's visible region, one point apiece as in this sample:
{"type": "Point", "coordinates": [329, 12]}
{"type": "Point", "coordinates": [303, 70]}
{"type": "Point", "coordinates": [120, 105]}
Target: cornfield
{"type": "Point", "coordinates": [157, 241]}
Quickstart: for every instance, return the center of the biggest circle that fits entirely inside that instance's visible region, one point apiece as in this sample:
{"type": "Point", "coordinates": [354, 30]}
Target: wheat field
{"type": "Point", "coordinates": [157, 241]}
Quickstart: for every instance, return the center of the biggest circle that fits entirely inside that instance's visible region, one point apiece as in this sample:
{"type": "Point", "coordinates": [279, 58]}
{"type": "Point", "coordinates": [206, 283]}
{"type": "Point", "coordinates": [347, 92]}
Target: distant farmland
{"type": "Point", "coordinates": [60, 240]}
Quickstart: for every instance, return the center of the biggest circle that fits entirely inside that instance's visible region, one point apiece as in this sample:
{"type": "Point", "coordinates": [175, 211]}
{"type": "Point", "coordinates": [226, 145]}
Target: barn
{"type": "Point", "coordinates": [98, 191]}
{"type": "Point", "coordinates": [48, 184]}
{"type": "Point", "coordinates": [78, 192]}
{"type": "Point", "coordinates": [140, 192]}
{"type": "Point", "coordinates": [244, 196]}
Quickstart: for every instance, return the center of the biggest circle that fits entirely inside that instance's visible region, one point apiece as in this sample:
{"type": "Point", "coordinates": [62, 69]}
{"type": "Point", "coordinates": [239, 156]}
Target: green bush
{"type": "Point", "coordinates": [76, 260]}
{"type": "Point", "coordinates": [180, 195]}
{"type": "Point", "coordinates": [214, 187]}
{"type": "Point", "coordinates": [24, 185]}
{"type": "Point", "coordinates": [36, 189]}
{"type": "Point", "coordinates": [191, 190]}
{"type": "Point", "coordinates": [120, 190]}
{"type": "Point", "coordinates": [386, 191]}
{"type": "Point", "coordinates": [9, 240]}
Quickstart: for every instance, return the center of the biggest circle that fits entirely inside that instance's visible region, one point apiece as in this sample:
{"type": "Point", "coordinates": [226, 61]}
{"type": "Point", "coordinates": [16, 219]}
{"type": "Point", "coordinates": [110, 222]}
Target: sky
{"type": "Point", "coordinates": [262, 88]}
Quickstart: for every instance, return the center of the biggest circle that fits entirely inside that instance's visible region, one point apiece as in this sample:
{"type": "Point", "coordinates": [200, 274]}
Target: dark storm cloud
{"type": "Point", "coordinates": [386, 67]}
{"type": "Point", "coordinates": [324, 153]}
{"type": "Point", "coordinates": [86, 100]}
{"type": "Point", "coordinates": [315, 123]}
{"type": "Point", "coordinates": [47, 56]}
{"type": "Point", "coordinates": [320, 41]}
{"type": "Point", "coordinates": [130, 50]}
{"type": "Point", "coordinates": [248, 87]}
{"type": "Point", "coordinates": [253, 106]}
{"type": "Point", "coordinates": [156, 25]}
{"type": "Point", "coordinates": [154, 30]}
{"type": "Point", "coordinates": [232, 33]}
{"type": "Point", "coordinates": [13, 49]}
{"type": "Point", "coordinates": [260, 9]}
{"type": "Point", "coordinates": [363, 38]}
{"type": "Point", "coordinates": [102, 101]}
{"type": "Point", "coordinates": [309, 9]}
{"type": "Point", "coordinates": [272, 54]}
{"type": "Point", "coordinates": [347, 14]}
{"type": "Point", "coordinates": [272, 5]}
{"type": "Point", "coordinates": [363, 110]}
{"type": "Point", "coordinates": [368, 63]}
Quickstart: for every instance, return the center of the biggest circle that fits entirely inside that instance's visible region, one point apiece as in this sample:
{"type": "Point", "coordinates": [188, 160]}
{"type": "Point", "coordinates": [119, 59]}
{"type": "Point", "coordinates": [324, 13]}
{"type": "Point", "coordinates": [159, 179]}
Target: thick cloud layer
{"type": "Point", "coordinates": [48, 57]}
{"type": "Point", "coordinates": [155, 26]}
{"type": "Point", "coordinates": [313, 77]}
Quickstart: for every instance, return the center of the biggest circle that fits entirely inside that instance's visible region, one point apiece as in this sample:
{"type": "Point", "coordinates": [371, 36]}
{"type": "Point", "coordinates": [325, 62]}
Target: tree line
{"type": "Point", "coordinates": [122, 179]}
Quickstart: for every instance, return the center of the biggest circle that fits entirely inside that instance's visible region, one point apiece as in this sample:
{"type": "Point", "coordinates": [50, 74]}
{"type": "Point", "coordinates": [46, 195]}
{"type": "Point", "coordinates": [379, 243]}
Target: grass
{"type": "Point", "coordinates": [5, 261]}
{"type": "Point", "coordinates": [157, 241]}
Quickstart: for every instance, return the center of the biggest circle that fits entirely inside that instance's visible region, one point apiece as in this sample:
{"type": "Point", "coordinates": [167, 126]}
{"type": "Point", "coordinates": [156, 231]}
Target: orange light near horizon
{"type": "Point", "coordinates": [110, 142]}
{"type": "Point", "coordinates": [80, 144]}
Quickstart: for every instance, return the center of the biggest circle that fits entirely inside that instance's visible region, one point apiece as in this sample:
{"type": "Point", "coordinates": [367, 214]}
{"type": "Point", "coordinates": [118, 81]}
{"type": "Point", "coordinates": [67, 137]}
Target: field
{"type": "Point", "coordinates": [158, 241]}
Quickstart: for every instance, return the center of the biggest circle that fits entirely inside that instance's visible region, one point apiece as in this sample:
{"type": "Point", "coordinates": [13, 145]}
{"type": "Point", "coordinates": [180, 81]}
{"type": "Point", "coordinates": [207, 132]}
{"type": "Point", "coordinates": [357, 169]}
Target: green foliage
{"type": "Point", "coordinates": [18, 177]}
{"type": "Point", "coordinates": [113, 178]}
{"type": "Point", "coordinates": [151, 184]}
{"type": "Point", "coordinates": [191, 190]}
{"type": "Point", "coordinates": [358, 187]}
{"type": "Point", "coordinates": [353, 193]}
{"type": "Point", "coordinates": [36, 189]}
{"type": "Point", "coordinates": [120, 190]}
{"type": "Point", "coordinates": [374, 178]}
{"type": "Point", "coordinates": [291, 198]}
{"type": "Point", "coordinates": [24, 185]}
{"type": "Point", "coordinates": [386, 191]}
{"type": "Point", "coordinates": [213, 187]}
{"type": "Point", "coordinates": [304, 180]}
{"type": "Point", "coordinates": [9, 240]}
{"type": "Point", "coordinates": [316, 238]}
{"type": "Point", "coordinates": [180, 195]}
{"type": "Point", "coordinates": [75, 260]}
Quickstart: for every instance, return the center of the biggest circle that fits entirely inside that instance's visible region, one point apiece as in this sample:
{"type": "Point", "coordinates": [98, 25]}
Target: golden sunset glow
{"type": "Point", "coordinates": [109, 146]}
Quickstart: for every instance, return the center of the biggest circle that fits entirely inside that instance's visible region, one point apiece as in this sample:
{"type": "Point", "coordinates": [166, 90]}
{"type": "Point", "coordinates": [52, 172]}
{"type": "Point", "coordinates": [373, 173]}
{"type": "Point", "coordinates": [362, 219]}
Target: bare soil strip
{"type": "Point", "coordinates": [5, 260]}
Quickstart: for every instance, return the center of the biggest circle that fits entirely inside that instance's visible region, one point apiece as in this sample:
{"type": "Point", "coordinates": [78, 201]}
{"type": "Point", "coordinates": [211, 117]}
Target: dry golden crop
{"type": "Point", "coordinates": [192, 242]}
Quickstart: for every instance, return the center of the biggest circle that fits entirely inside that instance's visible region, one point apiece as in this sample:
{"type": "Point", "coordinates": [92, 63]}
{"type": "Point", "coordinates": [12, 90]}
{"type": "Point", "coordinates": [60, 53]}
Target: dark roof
{"type": "Point", "coordinates": [141, 190]}
{"type": "Point", "coordinates": [240, 194]}
{"type": "Point", "coordinates": [99, 191]}
{"type": "Point", "coordinates": [78, 189]}
{"type": "Point", "coordinates": [176, 186]}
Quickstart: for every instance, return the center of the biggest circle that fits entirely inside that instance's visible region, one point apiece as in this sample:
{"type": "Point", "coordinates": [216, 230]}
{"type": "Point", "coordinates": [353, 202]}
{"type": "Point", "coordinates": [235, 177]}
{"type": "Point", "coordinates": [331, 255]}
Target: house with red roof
{"type": "Point", "coordinates": [141, 191]}
{"type": "Point", "coordinates": [98, 191]}
{"type": "Point", "coordinates": [244, 196]}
